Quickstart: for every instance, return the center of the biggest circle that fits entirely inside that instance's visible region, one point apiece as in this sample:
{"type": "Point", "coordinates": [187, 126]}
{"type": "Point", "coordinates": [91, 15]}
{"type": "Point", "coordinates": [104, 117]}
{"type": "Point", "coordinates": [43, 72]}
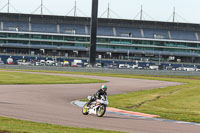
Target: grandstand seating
{"type": "Point", "coordinates": [105, 31]}
{"type": "Point", "coordinates": [15, 26]}
{"type": "Point", "coordinates": [72, 29]}
{"type": "Point", "coordinates": [124, 32]}
{"type": "Point", "coordinates": [37, 27]}
{"type": "Point", "coordinates": [143, 39]}
{"type": "Point", "coordinates": [101, 30]}
{"type": "Point", "coordinates": [183, 35]}
{"type": "Point", "coordinates": [156, 33]}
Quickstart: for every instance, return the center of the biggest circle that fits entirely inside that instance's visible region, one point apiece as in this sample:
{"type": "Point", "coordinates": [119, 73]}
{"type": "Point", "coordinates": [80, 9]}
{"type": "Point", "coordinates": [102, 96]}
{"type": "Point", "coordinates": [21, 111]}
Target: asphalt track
{"type": "Point", "coordinates": [52, 104]}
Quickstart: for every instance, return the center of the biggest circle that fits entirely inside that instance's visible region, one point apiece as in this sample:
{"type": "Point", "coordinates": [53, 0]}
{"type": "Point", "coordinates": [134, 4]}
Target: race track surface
{"type": "Point", "coordinates": [52, 104]}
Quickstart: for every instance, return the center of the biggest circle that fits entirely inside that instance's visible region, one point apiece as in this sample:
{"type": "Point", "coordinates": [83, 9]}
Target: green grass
{"type": "Point", "coordinates": [19, 126]}
{"type": "Point", "coordinates": [27, 78]}
{"type": "Point", "coordinates": [180, 102]}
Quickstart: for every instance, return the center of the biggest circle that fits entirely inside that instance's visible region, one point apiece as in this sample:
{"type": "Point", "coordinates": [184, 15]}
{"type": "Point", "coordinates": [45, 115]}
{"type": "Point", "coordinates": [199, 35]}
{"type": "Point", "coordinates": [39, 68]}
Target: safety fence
{"type": "Point", "coordinates": [103, 70]}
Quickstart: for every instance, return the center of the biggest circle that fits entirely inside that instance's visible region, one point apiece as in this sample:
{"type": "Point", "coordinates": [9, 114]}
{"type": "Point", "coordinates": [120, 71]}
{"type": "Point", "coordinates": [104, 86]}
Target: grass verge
{"type": "Point", "coordinates": [27, 78]}
{"type": "Point", "coordinates": [9, 125]}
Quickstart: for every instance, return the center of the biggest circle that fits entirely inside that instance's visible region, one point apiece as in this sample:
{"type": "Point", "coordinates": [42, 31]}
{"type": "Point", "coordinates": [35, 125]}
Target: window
{"type": "Point", "coordinates": [79, 45]}
{"type": "Point", "coordinates": [13, 35]}
{"type": "Point", "coordinates": [67, 38]}
{"type": "Point", "coordinates": [58, 37]}
{"type": "Point", "coordinates": [103, 40]}
{"type": "Point", "coordinates": [69, 31]}
{"type": "Point", "coordinates": [36, 36]}
{"type": "Point", "coordinates": [3, 35]}
{"type": "Point", "coordinates": [81, 39]}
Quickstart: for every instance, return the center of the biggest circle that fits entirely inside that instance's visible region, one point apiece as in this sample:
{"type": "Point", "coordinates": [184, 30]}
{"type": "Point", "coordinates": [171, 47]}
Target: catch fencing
{"type": "Point", "coordinates": [102, 70]}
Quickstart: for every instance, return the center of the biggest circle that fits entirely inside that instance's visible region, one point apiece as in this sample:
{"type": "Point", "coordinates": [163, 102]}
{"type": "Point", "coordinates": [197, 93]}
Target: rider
{"type": "Point", "coordinates": [98, 94]}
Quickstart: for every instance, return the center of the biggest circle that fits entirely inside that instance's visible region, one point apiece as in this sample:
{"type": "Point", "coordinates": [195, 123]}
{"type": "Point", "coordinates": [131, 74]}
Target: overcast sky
{"type": "Point", "coordinates": [159, 10]}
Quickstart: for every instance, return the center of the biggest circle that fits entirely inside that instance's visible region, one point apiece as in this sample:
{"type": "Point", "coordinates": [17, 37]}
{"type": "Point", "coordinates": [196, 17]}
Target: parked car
{"type": "Point", "coordinates": [99, 65]}
{"type": "Point", "coordinates": [124, 66]}
{"type": "Point", "coordinates": [50, 63]}
{"type": "Point", "coordinates": [42, 63]}
{"type": "Point", "coordinates": [112, 65]}
{"type": "Point", "coordinates": [66, 63]}
{"type": "Point", "coordinates": [189, 69]}
{"type": "Point", "coordinates": [135, 66]}
{"type": "Point", "coordinates": [153, 67]}
{"type": "Point", "coordinates": [23, 62]}
{"type": "Point", "coordinates": [77, 63]}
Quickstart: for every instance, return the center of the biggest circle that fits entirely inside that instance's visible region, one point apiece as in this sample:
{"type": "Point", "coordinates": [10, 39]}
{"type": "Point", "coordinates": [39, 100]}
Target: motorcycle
{"type": "Point", "coordinates": [97, 107]}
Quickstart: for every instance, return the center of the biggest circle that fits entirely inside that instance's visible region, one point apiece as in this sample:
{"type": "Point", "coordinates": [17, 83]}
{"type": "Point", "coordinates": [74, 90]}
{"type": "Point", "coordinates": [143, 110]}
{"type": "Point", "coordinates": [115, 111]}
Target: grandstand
{"type": "Point", "coordinates": [65, 36]}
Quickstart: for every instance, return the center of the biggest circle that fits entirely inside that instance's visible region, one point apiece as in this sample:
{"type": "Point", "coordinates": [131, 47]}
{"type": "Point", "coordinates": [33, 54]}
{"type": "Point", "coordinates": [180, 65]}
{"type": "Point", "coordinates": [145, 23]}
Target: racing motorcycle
{"type": "Point", "coordinates": [97, 107]}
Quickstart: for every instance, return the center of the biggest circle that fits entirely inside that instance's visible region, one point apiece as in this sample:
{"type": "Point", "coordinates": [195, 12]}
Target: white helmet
{"type": "Point", "coordinates": [104, 87]}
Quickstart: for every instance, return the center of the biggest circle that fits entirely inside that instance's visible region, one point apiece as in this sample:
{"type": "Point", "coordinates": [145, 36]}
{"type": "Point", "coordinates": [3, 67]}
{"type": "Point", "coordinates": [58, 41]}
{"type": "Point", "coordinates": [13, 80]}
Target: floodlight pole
{"type": "Point", "coordinates": [93, 33]}
{"type": "Point", "coordinates": [75, 9]}
{"type": "Point", "coordinates": [141, 13]}
{"type": "Point", "coordinates": [8, 6]}
{"type": "Point", "coordinates": [108, 15]}
{"type": "Point", "coordinates": [174, 14]}
{"type": "Point", "coordinates": [41, 7]}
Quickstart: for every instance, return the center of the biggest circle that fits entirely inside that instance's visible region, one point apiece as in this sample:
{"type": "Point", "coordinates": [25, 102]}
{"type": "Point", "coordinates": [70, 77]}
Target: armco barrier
{"type": "Point", "coordinates": [102, 70]}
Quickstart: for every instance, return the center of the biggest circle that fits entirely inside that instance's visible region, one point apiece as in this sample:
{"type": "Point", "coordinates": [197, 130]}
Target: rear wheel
{"type": "Point", "coordinates": [85, 109]}
{"type": "Point", "coordinates": [101, 110]}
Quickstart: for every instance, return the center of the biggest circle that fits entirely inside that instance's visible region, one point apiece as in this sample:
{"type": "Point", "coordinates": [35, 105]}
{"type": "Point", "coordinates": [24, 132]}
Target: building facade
{"type": "Point", "coordinates": [117, 39]}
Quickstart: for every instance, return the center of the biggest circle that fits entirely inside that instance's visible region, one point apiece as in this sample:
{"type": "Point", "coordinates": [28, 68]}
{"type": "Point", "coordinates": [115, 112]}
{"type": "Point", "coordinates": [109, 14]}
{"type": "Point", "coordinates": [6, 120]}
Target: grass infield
{"type": "Point", "coordinates": [179, 102]}
{"type": "Point", "coordinates": [8, 125]}
{"type": "Point", "coordinates": [29, 78]}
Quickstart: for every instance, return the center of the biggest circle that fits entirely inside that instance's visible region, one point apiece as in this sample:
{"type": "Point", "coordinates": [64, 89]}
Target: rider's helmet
{"type": "Point", "coordinates": [104, 88]}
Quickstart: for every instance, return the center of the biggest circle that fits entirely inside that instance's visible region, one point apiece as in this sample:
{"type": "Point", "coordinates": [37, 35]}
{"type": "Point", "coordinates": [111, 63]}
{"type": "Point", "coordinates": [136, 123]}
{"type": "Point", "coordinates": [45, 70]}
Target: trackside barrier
{"type": "Point", "coordinates": [102, 70]}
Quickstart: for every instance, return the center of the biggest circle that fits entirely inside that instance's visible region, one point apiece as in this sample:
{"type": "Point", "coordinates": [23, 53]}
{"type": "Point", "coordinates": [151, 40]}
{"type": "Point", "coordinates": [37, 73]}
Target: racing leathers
{"type": "Point", "coordinates": [97, 95]}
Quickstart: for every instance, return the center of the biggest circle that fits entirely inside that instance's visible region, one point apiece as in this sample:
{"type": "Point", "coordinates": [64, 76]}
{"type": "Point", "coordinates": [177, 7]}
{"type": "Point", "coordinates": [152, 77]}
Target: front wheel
{"type": "Point", "coordinates": [101, 110]}
{"type": "Point", "coordinates": [85, 109]}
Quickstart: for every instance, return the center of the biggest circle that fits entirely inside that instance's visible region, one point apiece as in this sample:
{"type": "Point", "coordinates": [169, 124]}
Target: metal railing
{"type": "Point", "coordinates": [102, 70]}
